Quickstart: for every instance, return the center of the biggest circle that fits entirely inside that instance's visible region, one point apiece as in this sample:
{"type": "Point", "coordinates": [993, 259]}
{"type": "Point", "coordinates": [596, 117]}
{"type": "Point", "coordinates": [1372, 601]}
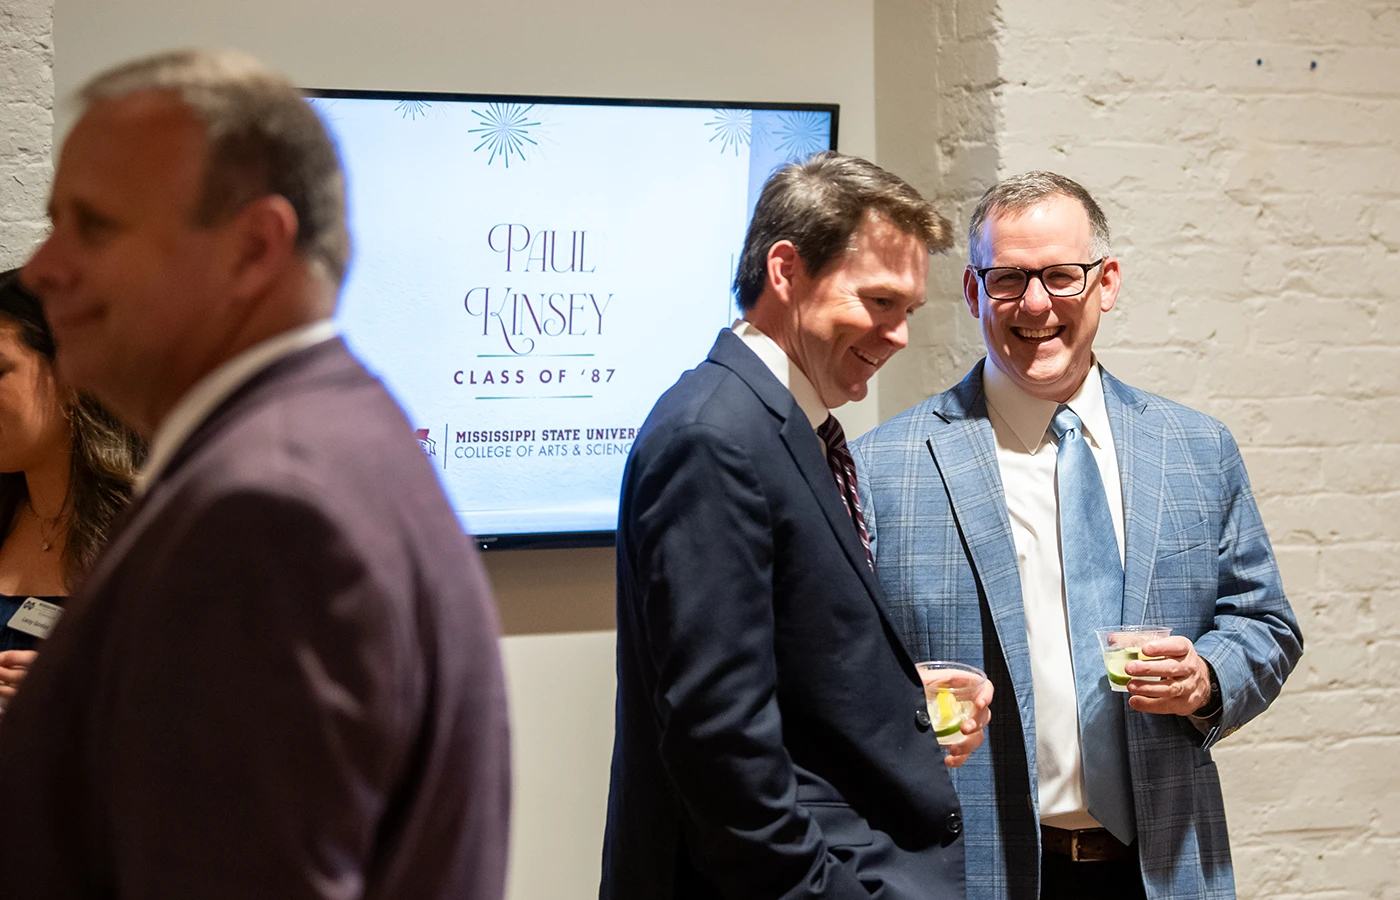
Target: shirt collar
{"type": "Point", "coordinates": [1029, 417]}
{"type": "Point", "coordinates": [782, 367]}
{"type": "Point", "coordinates": [201, 400]}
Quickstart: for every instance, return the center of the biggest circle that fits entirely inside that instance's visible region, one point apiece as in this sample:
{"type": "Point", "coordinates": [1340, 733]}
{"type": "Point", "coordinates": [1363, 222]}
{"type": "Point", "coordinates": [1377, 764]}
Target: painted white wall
{"type": "Point", "coordinates": [556, 606]}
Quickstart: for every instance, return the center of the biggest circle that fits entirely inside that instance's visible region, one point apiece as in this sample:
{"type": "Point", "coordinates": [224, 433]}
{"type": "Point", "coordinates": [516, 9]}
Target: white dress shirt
{"type": "Point", "coordinates": [783, 368]}
{"type": "Point", "coordinates": [1025, 448]}
{"type": "Point", "coordinates": [199, 401]}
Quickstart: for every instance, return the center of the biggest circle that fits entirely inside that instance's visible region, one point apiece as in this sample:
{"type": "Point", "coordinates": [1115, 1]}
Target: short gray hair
{"type": "Point", "coordinates": [1020, 193]}
{"type": "Point", "coordinates": [264, 138]}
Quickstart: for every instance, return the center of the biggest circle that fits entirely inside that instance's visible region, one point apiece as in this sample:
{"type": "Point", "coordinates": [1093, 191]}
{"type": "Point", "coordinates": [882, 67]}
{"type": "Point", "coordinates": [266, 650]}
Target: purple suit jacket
{"type": "Point", "coordinates": [281, 680]}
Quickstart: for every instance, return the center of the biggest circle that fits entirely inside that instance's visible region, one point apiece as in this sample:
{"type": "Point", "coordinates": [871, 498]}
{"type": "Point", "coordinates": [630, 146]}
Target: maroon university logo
{"type": "Point", "coordinates": [428, 444]}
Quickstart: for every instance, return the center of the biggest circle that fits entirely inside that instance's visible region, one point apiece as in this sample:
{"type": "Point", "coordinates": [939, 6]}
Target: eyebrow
{"type": "Point", "coordinates": [889, 289]}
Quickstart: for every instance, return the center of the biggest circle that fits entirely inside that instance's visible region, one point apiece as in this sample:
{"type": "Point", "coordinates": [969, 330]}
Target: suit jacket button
{"type": "Point", "coordinates": [954, 823]}
{"type": "Point", "coordinates": [921, 719]}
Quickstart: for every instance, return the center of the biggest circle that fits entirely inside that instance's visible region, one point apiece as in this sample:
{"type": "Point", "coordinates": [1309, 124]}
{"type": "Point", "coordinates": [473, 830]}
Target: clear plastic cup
{"type": "Point", "coordinates": [1121, 645]}
{"type": "Point", "coordinates": [949, 690]}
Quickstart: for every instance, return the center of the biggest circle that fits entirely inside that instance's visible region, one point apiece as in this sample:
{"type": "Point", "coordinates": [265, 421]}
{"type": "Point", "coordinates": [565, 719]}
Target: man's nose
{"type": "Point", "coordinates": [1036, 299]}
{"type": "Point", "coordinates": [899, 334]}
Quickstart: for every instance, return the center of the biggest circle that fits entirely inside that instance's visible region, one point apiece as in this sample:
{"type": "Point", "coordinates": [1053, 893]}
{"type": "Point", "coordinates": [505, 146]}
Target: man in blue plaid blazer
{"type": "Point", "coordinates": [961, 503]}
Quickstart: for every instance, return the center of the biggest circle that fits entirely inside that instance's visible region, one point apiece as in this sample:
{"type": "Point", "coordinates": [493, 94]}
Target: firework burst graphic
{"type": "Point", "coordinates": [732, 128]}
{"type": "Point", "coordinates": [504, 130]}
{"type": "Point", "coordinates": [412, 109]}
{"type": "Point", "coordinates": [800, 134]}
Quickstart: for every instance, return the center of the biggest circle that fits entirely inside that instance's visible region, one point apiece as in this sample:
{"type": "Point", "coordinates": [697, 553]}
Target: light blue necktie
{"type": "Point", "coordinates": [1094, 594]}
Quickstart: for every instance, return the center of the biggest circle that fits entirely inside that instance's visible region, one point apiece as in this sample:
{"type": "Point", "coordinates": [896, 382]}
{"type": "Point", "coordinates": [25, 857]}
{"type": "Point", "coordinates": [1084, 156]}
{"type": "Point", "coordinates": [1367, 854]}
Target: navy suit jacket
{"type": "Point", "coordinates": [769, 741]}
{"type": "Point", "coordinates": [1197, 559]}
{"type": "Point", "coordinates": [280, 680]}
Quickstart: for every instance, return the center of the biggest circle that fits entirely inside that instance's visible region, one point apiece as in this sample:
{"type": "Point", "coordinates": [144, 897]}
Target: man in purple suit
{"type": "Point", "coordinates": [282, 679]}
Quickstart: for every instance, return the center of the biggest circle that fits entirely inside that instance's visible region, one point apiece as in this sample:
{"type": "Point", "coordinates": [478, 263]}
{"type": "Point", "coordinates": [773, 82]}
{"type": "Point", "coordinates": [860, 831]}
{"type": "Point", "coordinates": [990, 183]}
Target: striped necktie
{"type": "Point", "coordinates": [1093, 577]}
{"type": "Point", "coordinates": [843, 469]}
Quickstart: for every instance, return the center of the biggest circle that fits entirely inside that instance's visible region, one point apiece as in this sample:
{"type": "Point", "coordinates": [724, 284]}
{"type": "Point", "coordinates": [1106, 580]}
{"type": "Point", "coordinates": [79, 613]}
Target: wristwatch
{"type": "Point", "coordinates": [1215, 702]}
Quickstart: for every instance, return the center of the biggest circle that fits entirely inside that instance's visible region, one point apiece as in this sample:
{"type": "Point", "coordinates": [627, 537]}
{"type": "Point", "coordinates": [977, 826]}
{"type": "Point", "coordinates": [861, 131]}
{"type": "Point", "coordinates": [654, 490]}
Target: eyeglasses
{"type": "Point", "coordinates": [1060, 280]}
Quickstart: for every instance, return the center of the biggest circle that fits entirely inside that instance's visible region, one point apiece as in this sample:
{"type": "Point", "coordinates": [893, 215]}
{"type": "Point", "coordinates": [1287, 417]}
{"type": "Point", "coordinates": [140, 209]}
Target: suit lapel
{"type": "Point", "coordinates": [964, 450]}
{"type": "Point", "coordinates": [1141, 454]}
{"type": "Point", "coordinates": [806, 452]}
{"type": "Point", "coordinates": [805, 448]}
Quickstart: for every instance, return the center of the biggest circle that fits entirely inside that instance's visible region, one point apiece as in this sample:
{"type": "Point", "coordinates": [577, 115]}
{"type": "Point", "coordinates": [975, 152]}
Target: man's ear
{"type": "Point", "coordinates": [265, 236]}
{"type": "Point", "coordinates": [1109, 283]}
{"type": "Point", "coordinates": [784, 265]}
{"type": "Point", "coordinates": [971, 293]}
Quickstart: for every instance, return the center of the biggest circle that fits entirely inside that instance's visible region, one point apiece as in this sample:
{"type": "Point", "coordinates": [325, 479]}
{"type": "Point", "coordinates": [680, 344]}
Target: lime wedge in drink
{"type": "Point", "coordinates": [1116, 661]}
{"type": "Point", "coordinates": [949, 731]}
{"type": "Point", "coordinates": [946, 713]}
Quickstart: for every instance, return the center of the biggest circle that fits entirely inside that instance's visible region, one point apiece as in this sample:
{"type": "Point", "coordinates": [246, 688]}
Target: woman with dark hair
{"type": "Point", "coordinates": [66, 468]}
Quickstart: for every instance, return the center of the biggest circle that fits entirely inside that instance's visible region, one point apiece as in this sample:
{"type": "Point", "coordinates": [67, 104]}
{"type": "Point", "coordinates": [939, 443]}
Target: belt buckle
{"type": "Point", "coordinates": [1074, 845]}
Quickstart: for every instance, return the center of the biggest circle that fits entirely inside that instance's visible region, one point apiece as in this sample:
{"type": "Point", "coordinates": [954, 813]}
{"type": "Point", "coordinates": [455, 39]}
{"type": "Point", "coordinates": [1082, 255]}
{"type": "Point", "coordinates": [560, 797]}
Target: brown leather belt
{"type": "Point", "coordinates": [1084, 844]}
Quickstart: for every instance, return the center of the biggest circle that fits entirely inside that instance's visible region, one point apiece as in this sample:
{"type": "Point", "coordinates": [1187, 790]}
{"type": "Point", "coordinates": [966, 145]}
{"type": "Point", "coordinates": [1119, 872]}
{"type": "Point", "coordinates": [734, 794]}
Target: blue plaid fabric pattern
{"type": "Point", "coordinates": [1197, 560]}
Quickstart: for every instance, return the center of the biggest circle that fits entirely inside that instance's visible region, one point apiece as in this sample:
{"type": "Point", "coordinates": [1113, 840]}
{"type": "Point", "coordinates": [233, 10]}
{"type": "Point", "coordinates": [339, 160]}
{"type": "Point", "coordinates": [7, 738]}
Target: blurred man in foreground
{"type": "Point", "coordinates": [282, 679]}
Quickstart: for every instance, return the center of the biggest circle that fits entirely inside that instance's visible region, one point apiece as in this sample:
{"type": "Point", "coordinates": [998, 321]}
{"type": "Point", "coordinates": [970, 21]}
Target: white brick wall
{"type": "Point", "coordinates": [26, 124]}
{"type": "Point", "coordinates": [1255, 202]}
{"type": "Point", "coordinates": [937, 117]}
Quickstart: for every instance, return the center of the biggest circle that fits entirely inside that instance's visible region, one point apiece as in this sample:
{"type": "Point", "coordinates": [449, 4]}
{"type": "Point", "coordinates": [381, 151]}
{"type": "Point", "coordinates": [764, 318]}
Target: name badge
{"type": "Point", "coordinates": [36, 617]}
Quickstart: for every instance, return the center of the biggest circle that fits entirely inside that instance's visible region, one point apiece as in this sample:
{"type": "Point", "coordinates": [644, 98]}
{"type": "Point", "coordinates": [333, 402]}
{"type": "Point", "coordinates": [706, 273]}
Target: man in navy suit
{"type": "Point", "coordinates": [282, 678]}
{"type": "Point", "coordinates": [1086, 793]}
{"type": "Point", "coordinates": [772, 737]}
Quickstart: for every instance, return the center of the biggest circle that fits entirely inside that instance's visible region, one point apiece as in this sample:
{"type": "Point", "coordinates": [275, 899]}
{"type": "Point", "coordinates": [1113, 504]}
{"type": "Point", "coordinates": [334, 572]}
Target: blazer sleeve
{"type": "Point", "coordinates": [270, 694]}
{"type": "Point", "coordinates": [701, 538]}
{"type": "Point", "coordinates": [1256, 641]}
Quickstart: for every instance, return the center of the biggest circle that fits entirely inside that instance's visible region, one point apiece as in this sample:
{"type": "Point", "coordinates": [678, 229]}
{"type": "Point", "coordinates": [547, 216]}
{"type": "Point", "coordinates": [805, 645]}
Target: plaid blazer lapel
{"type": "Point", "coordinates": [964, 450]}
{"type": "Point", "coordinates": [1141, 453]}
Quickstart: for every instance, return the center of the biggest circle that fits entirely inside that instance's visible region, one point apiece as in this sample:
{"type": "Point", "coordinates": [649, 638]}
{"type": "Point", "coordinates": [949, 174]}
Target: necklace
{"type": "Point", "coordinates": [48, 527]}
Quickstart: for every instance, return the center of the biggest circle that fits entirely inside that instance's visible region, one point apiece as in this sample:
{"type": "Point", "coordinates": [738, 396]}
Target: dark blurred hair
{"type": "Point", "coordinates": [104, 456]}
{"type": "Point", "coordinates": [818, 205]}
{"type": "Point", "coordinates": [1019, 193]}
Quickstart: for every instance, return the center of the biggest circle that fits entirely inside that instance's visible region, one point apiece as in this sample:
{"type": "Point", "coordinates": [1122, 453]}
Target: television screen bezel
{"type": "Point", "coordinates": [566, 539]}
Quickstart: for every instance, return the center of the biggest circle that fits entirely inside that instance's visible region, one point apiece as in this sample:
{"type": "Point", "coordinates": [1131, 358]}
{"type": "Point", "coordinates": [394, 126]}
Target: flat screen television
{"type": "Point", "coordinates": [531, 273]}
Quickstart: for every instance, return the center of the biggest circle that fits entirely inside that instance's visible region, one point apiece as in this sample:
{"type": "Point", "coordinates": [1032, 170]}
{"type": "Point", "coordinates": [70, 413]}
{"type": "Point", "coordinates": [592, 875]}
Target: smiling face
{"type": "Point", "coordinates": [841, 326]}
{"type": "Point", "coordinates": [130, 283]}
{"type": "Point", "coordinates": [33, 428]}
{"type": "Point", "coordinates": [1044, 344]}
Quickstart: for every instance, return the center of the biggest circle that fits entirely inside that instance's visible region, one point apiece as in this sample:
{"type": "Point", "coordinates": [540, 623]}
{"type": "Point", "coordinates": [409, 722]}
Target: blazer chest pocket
{"type": "Point", "coordinates": [1186, 560]}
{"type": "Point", "coordinates": [1193, 537]}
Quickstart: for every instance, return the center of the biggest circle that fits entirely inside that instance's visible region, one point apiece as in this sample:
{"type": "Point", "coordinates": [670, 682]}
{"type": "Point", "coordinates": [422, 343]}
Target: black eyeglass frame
{"type": "Point", "coordinates": [1036, 274]}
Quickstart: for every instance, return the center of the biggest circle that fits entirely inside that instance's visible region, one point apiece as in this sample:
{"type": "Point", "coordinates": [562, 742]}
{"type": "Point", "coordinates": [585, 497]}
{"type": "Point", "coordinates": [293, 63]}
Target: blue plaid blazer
{"type": "Point", "coordinates": [1197, 559]}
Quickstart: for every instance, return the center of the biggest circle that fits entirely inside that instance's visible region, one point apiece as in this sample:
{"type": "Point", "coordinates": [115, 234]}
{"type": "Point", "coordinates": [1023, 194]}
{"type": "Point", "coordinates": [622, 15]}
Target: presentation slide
{"type": "Point", "coordinates": [528, 278]}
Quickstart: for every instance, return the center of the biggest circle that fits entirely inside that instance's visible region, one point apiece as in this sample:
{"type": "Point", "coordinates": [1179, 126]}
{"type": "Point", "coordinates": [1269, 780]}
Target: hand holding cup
{"type": "Point", "coordinates": [958, 697]}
